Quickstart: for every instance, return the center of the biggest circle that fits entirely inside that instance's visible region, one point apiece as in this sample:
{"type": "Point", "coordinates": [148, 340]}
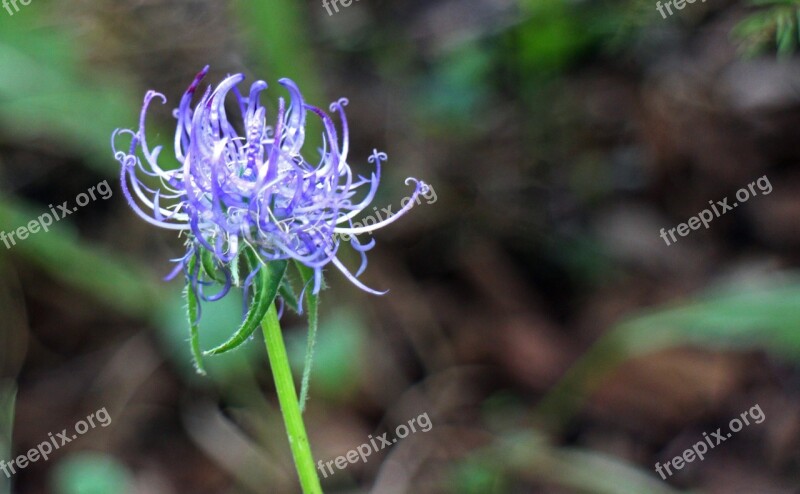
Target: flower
{"type": "Point", "coordinates": [252, 187]}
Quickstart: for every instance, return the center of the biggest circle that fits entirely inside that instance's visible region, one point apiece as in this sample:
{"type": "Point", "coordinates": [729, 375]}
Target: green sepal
{"type": "Point", "coordinates": [265, 289]}
{"type": "Point", "coordinates": [207, 261]}
{"type": "Point", "coordinates": [235, 271]}
{"type": "Point", "coordinates": [194, 328]}
{"type": "Point", "coordinates": [312, 305]}
{"type": "Point", "coordinates": [287, 293]}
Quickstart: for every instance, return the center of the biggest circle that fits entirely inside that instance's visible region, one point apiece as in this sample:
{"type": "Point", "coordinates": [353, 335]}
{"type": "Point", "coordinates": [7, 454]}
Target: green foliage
{"type": "Point", "coordinates": [193, 312]}
{"type": "Point", "coordinates": [477, 477]}
{"type": "Point", "coordinates": [775, 25]}
{"type": "Point", "coordinates": [288, 294]}
{"type": "Point", "coordinates": [525, 454]}
{"type": "Point", "coordinates": [275, 32]}
{"type": "Point", "coordinates": [761, 316]}
{"type": "Point", "coordinates": [553, 36]}
{"type": "Point", "coordinates": [312, 305]}
{"type": "Point", "coordinates": [45, 91]}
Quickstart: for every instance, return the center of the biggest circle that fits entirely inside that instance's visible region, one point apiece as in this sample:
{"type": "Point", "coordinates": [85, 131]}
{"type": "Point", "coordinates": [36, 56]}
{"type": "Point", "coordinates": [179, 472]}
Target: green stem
{"type": "Point", "coordinates": [287, 397]}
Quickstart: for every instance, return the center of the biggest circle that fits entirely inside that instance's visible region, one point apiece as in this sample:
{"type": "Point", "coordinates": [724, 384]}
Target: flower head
{"type": "Point", "coordinates": [248, 182]}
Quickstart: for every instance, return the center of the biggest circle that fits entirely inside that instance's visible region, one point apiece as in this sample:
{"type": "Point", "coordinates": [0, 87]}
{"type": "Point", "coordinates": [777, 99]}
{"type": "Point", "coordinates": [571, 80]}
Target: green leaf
{"type": "Point", "coordinates": [265, 289]}
{"type": "Point", "coordinates": [286, 291]}
{"type": "Point", "coordinates": [193, 312]}
{"type": "Point", "coordinates": [312, 302]}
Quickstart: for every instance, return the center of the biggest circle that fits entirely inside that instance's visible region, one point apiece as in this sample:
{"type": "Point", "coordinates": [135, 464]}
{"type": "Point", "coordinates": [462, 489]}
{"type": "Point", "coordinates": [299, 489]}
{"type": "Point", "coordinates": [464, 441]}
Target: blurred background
{"type": "Point", "coordinates": [556, 342]}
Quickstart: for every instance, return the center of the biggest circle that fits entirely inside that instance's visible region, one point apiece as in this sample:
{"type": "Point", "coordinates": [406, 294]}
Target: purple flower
{"type": "Point", "coordinates": [248, 183]}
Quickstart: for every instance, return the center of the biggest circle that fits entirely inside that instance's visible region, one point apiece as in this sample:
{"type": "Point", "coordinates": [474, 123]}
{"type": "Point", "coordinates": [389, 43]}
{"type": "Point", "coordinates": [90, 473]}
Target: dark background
{"type": "Point", "coordinates": [556, 342]}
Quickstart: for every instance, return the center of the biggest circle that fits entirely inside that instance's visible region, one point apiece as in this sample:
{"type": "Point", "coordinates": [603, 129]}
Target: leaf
{"type": "Point", "coordinates": [194, 315]}
{"type": "Point", "coordinates": [307, 275]}
{"type": "Point", "coordinates": [265, 289]}
{"type": "Point", "coordinates": [286, 291]}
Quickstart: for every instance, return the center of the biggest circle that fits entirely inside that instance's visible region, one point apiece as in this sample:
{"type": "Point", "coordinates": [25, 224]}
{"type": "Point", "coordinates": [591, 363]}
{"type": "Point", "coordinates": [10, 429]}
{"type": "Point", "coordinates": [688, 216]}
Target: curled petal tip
{"type": "Point", "coordinates": [339, 104]}
{"type": "Point", "coordinates": [376, 155]}
{"type": "Point", "coordinates": [423, 187]}
{"type": "Point", "coordinates": [151, 95]}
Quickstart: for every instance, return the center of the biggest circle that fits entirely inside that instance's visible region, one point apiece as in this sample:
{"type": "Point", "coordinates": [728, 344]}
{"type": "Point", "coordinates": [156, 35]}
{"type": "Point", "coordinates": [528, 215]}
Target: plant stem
{"type": "Point", "coordinates": [287, 397]}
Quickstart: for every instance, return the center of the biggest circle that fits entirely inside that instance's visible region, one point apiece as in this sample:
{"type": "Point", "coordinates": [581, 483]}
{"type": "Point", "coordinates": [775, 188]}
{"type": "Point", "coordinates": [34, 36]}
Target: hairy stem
{"type": "Point", "coordinates": [287, 397]}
